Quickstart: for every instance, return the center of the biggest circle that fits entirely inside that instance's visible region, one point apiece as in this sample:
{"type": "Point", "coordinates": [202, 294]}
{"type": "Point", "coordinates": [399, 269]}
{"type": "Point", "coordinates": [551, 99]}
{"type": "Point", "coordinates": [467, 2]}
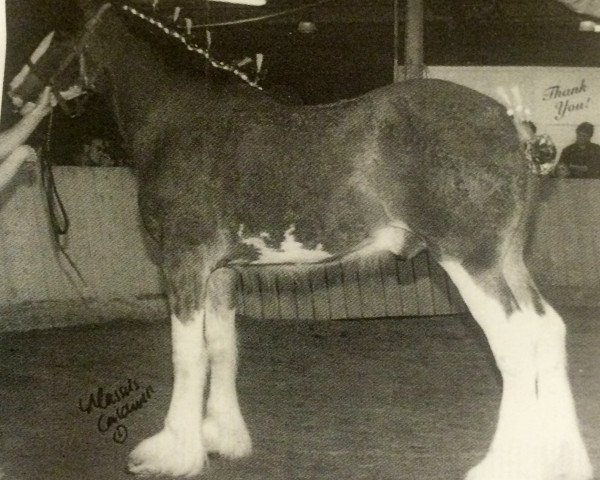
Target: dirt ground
{"type": "Point", "coordinates": [370, 399]}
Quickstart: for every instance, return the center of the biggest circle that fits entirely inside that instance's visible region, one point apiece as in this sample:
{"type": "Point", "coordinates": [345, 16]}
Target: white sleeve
{"type": "Point", "coordinates": [587, 7]}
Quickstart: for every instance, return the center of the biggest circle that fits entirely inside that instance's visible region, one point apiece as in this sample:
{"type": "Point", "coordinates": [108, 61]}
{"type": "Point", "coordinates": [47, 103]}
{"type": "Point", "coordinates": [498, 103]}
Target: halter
{"type": "Point", "coordinates": [50, 81]}
{"type": "Point", "coordinates": [76, 53]}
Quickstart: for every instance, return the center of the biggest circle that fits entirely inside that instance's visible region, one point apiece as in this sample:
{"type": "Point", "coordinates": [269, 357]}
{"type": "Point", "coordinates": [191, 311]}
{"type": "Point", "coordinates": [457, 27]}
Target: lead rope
{"type": "Point", "coordinates": [59, 220]}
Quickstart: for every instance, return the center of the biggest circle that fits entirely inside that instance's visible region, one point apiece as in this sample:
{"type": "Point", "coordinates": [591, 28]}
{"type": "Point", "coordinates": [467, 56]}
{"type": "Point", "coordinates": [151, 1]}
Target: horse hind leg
{"type": "Point", "coordinates": [563, 448]}
{"type": "Point", "coordinates": [178, 449]}
{"type": "Point", "coordinates": [537, 436]}
{"type": "Point", "coordinates": [224, 429]}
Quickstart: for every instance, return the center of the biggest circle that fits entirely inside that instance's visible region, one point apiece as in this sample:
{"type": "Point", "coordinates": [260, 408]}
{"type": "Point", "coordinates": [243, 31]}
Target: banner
{"type": "Point", "coordinates": [567, 98]}
{"type": "Point", "coordinates": [556, 99]}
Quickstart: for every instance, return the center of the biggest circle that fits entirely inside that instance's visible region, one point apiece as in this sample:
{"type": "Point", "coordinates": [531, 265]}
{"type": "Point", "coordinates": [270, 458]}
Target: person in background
{"type": "Point", "coordinates": [582, 158]}
{"type": "Point", "coordinates": [561, 171]}
{"type": "Point", "coordinates": [13, 151]}
{"type": "Point", "coordinates": [95, 153]}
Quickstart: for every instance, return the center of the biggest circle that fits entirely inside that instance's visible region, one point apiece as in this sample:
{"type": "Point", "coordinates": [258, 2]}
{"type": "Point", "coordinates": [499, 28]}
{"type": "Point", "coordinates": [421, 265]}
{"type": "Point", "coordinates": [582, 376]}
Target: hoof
{"type": "Point", "coordinates": [495, 469]}
{"type": "Point", "coordinates": [564, 466]}
{"type": "Point", "coordinates": [166, 453]}
{"type": "Point", "coordinates": [228, 438]}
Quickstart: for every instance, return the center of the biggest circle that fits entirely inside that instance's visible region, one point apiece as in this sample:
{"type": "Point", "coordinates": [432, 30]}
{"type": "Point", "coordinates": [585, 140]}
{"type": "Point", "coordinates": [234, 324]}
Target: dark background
{"type": "Point", "coordinates": [351, 52]}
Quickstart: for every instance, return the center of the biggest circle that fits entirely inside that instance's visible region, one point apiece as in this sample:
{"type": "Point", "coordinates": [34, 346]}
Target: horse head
{"type": "Point", "coordinates": [63, 62]}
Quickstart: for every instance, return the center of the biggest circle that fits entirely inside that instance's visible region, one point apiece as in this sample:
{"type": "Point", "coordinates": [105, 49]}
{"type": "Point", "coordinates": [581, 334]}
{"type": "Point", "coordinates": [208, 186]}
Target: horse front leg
{"type": "Point", "coordinates": [178, 449]}
{"type": "Point", "coordinates": [224, 429]}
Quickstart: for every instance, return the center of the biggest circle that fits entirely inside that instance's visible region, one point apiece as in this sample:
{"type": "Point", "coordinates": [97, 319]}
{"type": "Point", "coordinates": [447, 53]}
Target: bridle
{"type": "Point", "coordinates": [73, 109]}
{"type": "Point", "coordinates": [76, 53]}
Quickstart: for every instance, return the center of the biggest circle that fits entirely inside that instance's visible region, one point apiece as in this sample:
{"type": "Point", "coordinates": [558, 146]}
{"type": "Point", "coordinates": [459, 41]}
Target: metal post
{"type": "Point", "coordinates": [396, 39]}
{"type": "Point", "coordinates": [413, 43]}
{"type": "Point", "coordinates": [2, 47]}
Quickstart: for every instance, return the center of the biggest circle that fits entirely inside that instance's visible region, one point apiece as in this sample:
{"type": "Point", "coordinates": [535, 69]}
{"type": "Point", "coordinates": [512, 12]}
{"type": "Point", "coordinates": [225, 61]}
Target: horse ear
{"type": "Point", "coordinates": [93, 11]}
{"type": "Point", "coordinates": [90, 8]}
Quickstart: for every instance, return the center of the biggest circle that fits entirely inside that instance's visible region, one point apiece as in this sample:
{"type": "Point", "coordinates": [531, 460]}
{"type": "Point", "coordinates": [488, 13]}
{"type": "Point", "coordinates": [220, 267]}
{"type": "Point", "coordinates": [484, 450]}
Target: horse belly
{"type": "Point", "coordinates": [340, 223]}
{"type": "Point", "coordinates": [299, 195]}
{"type": "Point", "coordinates": [288, 250]}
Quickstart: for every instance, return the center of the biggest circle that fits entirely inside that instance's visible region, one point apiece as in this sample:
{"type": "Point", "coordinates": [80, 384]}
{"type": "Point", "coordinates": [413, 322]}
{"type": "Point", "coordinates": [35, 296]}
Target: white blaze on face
{"type": "Point", "coordinates": [38, 53]}
{"type": "Point", "coordinates": [289, 251]}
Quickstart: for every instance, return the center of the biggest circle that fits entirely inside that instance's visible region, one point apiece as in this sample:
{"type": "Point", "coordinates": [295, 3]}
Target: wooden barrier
{"type": "Point", "coordinates": [105, 240]}
{"type": "Point", "coordinates": [564, 250]}
{"type": "Point", "coordinates": [375, 288]}
{"type": "Point", "coordinates": [107, 243]}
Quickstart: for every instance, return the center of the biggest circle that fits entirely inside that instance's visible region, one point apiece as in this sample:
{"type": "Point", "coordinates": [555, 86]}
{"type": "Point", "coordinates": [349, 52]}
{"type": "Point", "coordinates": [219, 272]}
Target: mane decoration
{"type": "Point", "coordinates": [192, 47]}
{"type": "Point", "coordinates": [539, 149]}
{"type": "Point", "coordinates": [541, 154]}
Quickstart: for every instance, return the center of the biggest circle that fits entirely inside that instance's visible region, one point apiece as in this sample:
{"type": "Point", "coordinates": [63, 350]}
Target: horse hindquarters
{"type": "Point", "coordinates": [537, 436]}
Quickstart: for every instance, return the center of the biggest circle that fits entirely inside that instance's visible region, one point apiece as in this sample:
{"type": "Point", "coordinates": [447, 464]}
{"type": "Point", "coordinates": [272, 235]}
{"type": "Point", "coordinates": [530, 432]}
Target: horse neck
{"type": "Point", "coordinates": [137, 76]}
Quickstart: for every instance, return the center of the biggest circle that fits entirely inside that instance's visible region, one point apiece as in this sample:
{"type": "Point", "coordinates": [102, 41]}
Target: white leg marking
{"type": "Point", "coordinates": [224, 429]}
{"type": "Point", "coordinates": [178, 449]}
{"type": "Point", "coordinates": [537, 437]}
{"type": "Point", "coordinates": [556, 405]}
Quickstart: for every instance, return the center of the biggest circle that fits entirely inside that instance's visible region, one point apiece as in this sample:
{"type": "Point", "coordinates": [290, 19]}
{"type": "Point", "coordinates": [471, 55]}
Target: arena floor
{"type": "Point", "coordinates": [372, 399]}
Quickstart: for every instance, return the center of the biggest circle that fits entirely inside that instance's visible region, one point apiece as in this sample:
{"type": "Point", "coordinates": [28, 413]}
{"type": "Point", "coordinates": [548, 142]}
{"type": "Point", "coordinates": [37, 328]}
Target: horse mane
{"type": "Point", "coordinates": [172, 53]}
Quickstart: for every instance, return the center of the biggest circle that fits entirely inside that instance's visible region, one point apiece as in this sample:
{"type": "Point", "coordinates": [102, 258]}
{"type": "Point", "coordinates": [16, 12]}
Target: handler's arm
{"type": "Point", "coordinates": [17, 135]}
{"type": "Point", "coordinates": [10, 166]}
